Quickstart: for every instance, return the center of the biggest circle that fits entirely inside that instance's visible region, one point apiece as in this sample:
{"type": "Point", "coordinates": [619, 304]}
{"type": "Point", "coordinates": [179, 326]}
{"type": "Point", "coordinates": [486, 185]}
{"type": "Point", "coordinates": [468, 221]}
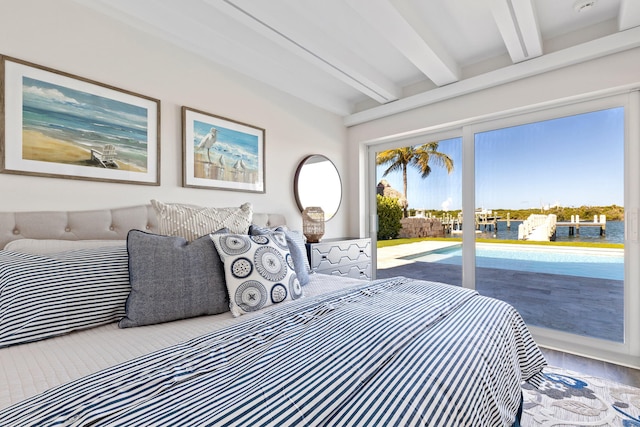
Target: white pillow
{"type": "Point", "coordinates": [258, 270]}
{"type": "Point", "coordinates": [50, 246]}
{"type": "Point", "coordinates": [192, 222]}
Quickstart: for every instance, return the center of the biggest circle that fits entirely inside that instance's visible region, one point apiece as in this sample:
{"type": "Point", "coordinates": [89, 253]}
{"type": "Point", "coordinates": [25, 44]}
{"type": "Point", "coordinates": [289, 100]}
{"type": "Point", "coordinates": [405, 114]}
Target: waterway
{"type": "Point", "coordinates": [614, 233]}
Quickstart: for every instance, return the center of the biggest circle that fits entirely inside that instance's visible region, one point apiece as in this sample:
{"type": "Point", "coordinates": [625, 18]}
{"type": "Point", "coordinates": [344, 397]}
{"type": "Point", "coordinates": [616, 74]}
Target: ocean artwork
{"type": "Point", "coordinates": [68, 126]}
{"type": "Point", "coordinates": [221, 153]}
{"type": "Point", "coordinates": [65, 126]}
{"type": "Point", "coordinates": [225, 154]}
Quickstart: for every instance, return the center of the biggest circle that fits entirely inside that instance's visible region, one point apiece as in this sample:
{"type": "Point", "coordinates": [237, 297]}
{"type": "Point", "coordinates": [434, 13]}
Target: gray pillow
{"type": "Point", "coordinates": [295, 242]}
{"type": "Point", "coordinates": [172, 279]}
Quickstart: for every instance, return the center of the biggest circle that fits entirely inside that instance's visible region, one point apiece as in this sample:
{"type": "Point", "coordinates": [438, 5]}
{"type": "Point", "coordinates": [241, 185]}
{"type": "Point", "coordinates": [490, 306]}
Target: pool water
{"type": "Point", "coordinates": [604, 264]}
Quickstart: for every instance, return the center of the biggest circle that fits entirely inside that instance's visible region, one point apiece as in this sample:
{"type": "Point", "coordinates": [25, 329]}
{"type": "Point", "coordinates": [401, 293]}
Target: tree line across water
{"type": "Point", "coordinates": [586, 213]}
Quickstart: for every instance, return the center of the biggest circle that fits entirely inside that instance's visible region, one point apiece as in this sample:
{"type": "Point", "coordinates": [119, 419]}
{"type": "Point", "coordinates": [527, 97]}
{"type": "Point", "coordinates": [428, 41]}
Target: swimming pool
{"type": "Point", "coordinates": [598, 263]}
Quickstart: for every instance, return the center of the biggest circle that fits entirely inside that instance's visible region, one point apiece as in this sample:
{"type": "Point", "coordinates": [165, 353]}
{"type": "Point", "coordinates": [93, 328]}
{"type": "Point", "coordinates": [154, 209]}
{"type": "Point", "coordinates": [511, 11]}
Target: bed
{"type": "Point", "coordinates": [333, 351]}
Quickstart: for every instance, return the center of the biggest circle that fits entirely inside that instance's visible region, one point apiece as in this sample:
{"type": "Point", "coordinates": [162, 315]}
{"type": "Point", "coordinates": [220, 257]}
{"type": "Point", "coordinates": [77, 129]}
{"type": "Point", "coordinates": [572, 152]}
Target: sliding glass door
{"type": "Point", "coordinates": [419, 209]}
{"type": "Point", "coordinates": [555, 189]}
{"type": "Point", "coordinates": [543, 213]}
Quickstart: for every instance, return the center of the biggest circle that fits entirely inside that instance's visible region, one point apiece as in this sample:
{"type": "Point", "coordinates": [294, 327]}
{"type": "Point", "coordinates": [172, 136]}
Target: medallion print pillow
{"type": "Point", "coordinates": [258, 270]}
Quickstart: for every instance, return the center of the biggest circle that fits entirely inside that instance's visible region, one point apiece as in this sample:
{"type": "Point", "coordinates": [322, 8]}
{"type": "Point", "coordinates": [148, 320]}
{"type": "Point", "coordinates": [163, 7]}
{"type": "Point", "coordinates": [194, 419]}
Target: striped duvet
{"type": "Point", "coordinates": [392, 352]}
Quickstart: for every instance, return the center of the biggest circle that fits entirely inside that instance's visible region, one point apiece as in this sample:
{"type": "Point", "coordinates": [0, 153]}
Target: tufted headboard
{"type": "Point", "coordinates": [107, 224]}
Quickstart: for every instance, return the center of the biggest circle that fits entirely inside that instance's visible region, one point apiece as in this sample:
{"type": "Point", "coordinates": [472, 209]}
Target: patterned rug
{"type": "Point", "coordinates": [571, 399]}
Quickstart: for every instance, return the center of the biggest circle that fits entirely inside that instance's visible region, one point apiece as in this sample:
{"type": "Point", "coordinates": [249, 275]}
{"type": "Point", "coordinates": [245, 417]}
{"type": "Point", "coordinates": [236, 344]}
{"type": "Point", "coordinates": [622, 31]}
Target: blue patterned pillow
{"type": "Point", "coordinates": [295, 242]}
{"type": "Point", "coordinates": [258, 270]}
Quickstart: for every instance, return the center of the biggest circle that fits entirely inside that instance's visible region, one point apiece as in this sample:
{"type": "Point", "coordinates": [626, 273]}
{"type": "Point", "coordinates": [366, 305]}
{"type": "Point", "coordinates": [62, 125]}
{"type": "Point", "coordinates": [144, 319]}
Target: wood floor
{"type": "Point", "coordinates": [593, 367]}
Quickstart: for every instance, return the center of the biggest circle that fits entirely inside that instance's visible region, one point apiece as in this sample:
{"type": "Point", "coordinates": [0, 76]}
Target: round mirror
{"type": "Point", "coordinates": [317, 183]}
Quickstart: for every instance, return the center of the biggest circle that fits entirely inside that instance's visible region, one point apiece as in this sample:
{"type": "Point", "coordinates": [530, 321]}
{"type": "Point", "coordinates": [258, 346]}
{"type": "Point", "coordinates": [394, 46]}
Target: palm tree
{"type": "Point", "coordinates": [418, 157]}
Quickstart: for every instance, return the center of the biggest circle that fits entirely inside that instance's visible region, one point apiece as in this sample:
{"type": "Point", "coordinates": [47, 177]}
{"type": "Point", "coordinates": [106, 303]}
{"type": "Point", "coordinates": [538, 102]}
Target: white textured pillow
{"type": "Point", "coordinates": [191, 222]}
{"type": "Point", "coordinates": [258, 270]}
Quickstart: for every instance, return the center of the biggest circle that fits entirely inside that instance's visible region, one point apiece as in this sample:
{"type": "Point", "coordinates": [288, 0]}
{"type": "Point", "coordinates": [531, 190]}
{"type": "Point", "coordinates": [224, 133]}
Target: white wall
{"type": "Point", "coordinates": [66, 36]}
{"type": "Point", "coordinates": [601, 74]}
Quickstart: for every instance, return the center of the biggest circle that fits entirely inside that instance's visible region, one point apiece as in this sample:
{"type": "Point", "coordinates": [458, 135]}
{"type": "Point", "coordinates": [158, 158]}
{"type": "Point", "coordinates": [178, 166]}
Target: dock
{"type": "Point", "coordinates": [542, 228]}
{"type": "Point", "coordinates": [484, 219]}
{"type": "Point", "coordinates": [575, 224]}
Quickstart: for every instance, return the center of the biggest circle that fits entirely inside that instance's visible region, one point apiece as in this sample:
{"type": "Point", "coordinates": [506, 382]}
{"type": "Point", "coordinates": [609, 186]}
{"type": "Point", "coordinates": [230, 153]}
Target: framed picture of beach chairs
{"type": "Point", "coordinates": [57, 124]}
{"type": "Point", "coordinates": [222, 153]}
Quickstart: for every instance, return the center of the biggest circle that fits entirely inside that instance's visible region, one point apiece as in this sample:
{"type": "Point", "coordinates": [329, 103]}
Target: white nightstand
{"type": "Point", "coordinates": [349, 257]}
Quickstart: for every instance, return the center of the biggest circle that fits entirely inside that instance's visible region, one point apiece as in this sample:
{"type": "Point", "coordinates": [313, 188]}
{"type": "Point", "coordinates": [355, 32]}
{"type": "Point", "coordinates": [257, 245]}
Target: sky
{"type": "Point", "coordinates": [231, 144]}
{"type": "Point", "coordinates": [570, 161]}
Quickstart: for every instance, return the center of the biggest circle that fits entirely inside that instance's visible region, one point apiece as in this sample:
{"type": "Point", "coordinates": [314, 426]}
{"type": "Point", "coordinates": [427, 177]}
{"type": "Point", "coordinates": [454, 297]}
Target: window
{"type": "Point", "coordinates": [419, 187]}
{"type": "Point", "coordinates": [560, 182]}
{"type": "Point", "coordinates": [566, 165]}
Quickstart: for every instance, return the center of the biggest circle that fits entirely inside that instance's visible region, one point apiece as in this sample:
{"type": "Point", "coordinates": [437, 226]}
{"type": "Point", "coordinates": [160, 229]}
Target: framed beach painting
{"type": "Point", "coordinates": [56, 124]}
{"type": "Point", "coordinates": [221, 153]}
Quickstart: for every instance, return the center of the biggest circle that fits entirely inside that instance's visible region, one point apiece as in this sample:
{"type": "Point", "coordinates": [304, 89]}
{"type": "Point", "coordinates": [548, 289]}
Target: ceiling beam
{"type": "Point", "coordinates": [168, 25]}
{"type": "Point", "coordinates": [309, 42]}
{"type": "Point", "coordinates": [629, 15]}
{"type": "Point", "coordinates": [412, 39]}
{"type": "Point", "coordinates": [518, 26]}
{"type": "Point", "coordinates": [607, 45]}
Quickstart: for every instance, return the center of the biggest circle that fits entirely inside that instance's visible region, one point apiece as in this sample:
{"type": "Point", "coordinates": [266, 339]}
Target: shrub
{"type": "Point", "coordinates": [389, 216]}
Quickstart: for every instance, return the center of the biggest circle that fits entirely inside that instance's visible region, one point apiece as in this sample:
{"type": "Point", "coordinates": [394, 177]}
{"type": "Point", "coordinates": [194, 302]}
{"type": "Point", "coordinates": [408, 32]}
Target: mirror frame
{"type": "Point", "coordinates": [296, 188]}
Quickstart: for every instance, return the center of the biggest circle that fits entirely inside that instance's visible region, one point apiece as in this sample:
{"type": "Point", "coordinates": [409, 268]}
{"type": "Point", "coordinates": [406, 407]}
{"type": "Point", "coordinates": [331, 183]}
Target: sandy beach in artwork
{"type": "Point", "coordinates": [206, 170]}
{"type": "Point", "coordinates": [40, 147]}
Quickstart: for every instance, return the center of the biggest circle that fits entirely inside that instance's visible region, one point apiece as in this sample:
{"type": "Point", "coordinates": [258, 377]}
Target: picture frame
{"type": "Point", "coordinates": [221, 153]}
{"type": "Point", "coordinates": [56, 124]}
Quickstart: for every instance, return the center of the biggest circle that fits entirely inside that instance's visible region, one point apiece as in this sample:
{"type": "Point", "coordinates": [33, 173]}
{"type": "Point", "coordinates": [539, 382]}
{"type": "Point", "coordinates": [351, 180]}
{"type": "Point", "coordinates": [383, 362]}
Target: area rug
{"type": "Point", "coordinates": [568, 398]}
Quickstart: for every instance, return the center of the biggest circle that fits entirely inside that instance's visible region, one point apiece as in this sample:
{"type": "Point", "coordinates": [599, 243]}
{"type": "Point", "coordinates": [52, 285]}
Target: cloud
{"type": "Point", "coordinates": [446, 204]}
{"type": "Point", "coordinates": [48, 94]}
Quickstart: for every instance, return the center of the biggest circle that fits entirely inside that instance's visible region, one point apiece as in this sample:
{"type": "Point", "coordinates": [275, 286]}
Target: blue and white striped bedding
{"type": "Point", "coordinates": [392, 352]}
{"type": "Point", "coordinates": [42, 296]}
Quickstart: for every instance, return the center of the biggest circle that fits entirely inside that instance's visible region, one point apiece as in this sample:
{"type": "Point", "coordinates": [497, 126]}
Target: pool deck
{"type": "Point", "coordinates": [581, 305]}
{"type": "Point", "coordinates": [395, 256]}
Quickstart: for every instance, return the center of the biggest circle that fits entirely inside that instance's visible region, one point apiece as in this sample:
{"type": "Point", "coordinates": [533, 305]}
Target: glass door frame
{"type": "Point", "coordinates": [415, 138]}
{"type": "Point", "coordinates": [626, 353]}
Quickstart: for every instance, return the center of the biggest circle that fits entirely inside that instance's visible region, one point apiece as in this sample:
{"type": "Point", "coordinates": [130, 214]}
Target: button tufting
{"type": "Point", "coordinates": [67, 229]}
{"type": "Point", "coordinates": [111, 228]}
{"type": "Point", "coordinates": [16, 231]}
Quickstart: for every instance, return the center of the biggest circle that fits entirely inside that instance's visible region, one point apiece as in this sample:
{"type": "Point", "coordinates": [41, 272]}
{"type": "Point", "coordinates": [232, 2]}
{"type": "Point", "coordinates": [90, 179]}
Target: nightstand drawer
{"type": "Point", "coordinates": [332, 253]}
{"type": "Point", "coordinates": [343, 257]}
{"type": "Point", "coordinates": [357, 271]}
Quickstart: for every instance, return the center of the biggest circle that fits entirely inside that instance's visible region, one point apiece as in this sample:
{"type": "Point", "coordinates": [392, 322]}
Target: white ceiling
{"type": "Point", "coordinates": [353, 56]}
